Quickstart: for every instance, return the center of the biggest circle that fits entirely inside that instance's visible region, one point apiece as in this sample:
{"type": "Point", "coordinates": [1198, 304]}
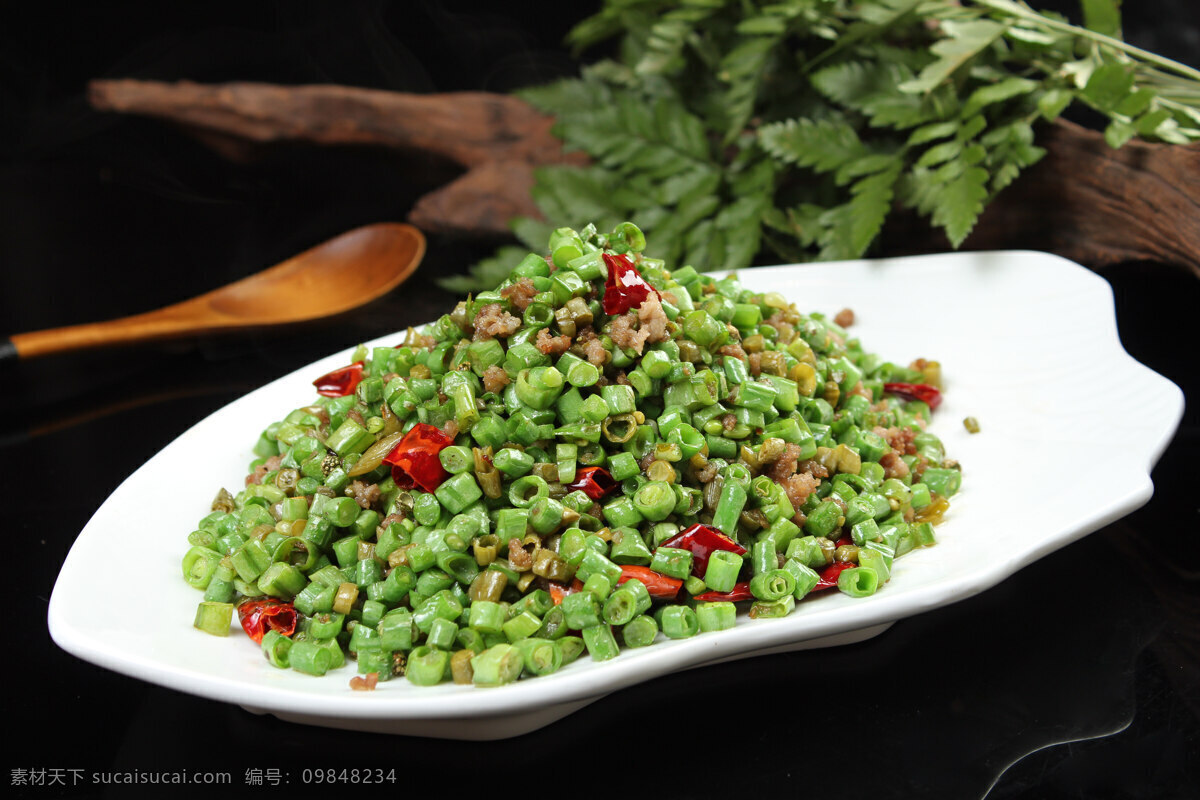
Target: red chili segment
{"type": "Point", "coordinates": [625, 287]}
{"type": "Point", "coordinates": [596, 482]}
{"type": "Point", "coordinates": [702, 540]}
{"type": "Point", "coordinates": [915, 391]}
{"type": "Point", "coordinates": [560, 590]}
{"type": "Point", "coordinates": [662, 587]}
{"type": "Point", "coordinates": [265, 613]}
{"type": "Point", "coordinates": [829, 575]}
{"type": "Point", "coordinates": [341, 381]}
{"type": "Point", "coordinates": [415, 460]}
{"type": "Point", "coordinates": [740, 591]}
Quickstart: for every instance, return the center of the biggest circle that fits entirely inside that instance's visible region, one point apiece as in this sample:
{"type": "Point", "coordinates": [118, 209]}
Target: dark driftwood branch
{"type": "Point", "coordinates": [1084, 200]}
{"type": "Point", "coordinates": [1097, 205]}
{"type": "Point", "coordinates": [499, 139]}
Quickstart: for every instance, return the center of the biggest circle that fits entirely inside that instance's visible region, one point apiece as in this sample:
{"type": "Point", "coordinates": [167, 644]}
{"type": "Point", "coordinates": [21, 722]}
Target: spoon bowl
{"type": "Point", "coordinates": [335, 276]}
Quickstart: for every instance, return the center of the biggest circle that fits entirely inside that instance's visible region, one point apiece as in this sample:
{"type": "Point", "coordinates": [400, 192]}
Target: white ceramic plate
{"type": "Point", "coordinates": [1028, 345]}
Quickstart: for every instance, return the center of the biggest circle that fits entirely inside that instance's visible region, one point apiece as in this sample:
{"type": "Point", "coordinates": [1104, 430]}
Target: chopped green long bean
{"type": "Point", "coordinates": [600, 446]}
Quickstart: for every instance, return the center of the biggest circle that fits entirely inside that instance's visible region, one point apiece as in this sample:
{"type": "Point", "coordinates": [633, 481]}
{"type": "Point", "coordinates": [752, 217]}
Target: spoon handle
{"type": "Point", "coordinates": [162, 323]}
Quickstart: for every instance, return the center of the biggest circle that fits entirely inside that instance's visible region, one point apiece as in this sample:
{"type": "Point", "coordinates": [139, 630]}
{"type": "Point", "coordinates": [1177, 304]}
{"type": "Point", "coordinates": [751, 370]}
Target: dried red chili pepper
{"type": "Point", "coordinates": [266, 613]}
{"type": "Point", "coordinates": [596, 482]}
{"type": "Point", "coordinates": [915, 391]}
{"type": "Point", "coordinates": [662, 587]}
{"type": "Point", "coordinates": [340, 382]}
{"type": "Point", "coordinates": [625, 287]}
{"type": "Point", "coordinates": [829, 575]}
{"type": "Point", "coordinates": [415, 460]}
{"type": "Point", "coordinates": [702, 540]}
{"type": "Point", "coordinates": [560, 590]}
{"type": "Point", "coordinates": [740, 591]}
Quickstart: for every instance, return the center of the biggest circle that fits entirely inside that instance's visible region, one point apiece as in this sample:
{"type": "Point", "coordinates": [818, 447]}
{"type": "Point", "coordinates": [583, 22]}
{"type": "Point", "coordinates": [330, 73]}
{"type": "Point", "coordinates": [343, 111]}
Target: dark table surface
{"type": "Point", "coordinates": [1077, 677]}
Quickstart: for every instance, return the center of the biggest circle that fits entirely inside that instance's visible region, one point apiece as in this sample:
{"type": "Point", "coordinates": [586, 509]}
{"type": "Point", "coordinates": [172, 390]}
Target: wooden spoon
{"type": "Point", "coordinates": [338, 275]}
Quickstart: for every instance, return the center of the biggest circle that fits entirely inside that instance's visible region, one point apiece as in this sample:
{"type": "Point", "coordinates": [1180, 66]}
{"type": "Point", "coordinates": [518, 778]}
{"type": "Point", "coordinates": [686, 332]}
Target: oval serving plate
{"type": "Point", "coordinates": [1028, 345]}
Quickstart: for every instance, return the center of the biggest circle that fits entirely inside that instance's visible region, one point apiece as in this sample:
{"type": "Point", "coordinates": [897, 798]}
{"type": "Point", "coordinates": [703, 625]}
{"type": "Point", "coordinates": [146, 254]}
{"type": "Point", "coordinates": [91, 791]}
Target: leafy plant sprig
{"type": "Point", "coordinates": [730, 128]}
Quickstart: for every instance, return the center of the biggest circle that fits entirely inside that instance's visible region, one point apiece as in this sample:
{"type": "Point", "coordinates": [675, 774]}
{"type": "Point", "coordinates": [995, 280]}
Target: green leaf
{"type": "Point", "coordinates": [823, 144]}
{"type": "Point", "coordinates": [853, 226]}
{"type": "Point", "coordinates": [533, 233]}
{"type": "Point", "coordinates": [766, 24]}
{"type": "Point", "coordinates": [1149, 122]}
{"type": "Point", "coordinates": [933, 131]}
{"type": "Point", "coordinates": [1118, 133]}
{"type": "Point", "coordinates": [1053, 102]}
{"type": "Point", "coordinates": [698, 180]}
{"type": "Point", "coordinates": [870, 163]}
{"type": "Point", "coordinates": [960, 203]}
{"type": "Point", "coordinates": [486, 274]}
{"type": "Point", "coordinates": [1135, 102]}
{"type": "Point", "coordinates": [575, 196]}
{"type": "Point", "coordinates": [565, 97]}
{"type": "Point", "coordinates": [1108, 86]}
{"type": "Point", "coordinates": [1004, 175]}
{"type": "Point", "coordinates": [1102, 16]}
{"type": "Point", "coordinates": [872, 88]}
{"type": "Point", "coordinates": [971, 128]}
{"type": "Point", "coordinates": [741, 222]}
{"type": "Point", "coordinates": [1031, 36]}
{"type": "Point", "coordinates": [997, 93]}
{"type": "Point", "coordinates": [940, 153]}
{"type": "Point", "coordinates": [964, 41]}
{"type": "Point", "coordinates": [853, 82]}
{"type": "Point", "coordinates": [744, 69]}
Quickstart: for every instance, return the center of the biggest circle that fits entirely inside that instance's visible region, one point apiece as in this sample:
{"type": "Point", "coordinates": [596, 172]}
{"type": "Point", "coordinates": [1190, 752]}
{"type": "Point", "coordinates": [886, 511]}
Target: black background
{"type": "Point", "coordinates": [1077, 677]}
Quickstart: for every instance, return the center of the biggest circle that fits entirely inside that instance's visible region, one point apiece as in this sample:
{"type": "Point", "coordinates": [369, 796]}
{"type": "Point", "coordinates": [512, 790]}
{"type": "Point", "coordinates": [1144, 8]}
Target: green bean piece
{"type": "Point", "coordinates": [623, 466]}
{"type": "Point", "coordinates": [600, 642]}
{"type": "Point", "coordinates": [596, 562]}
{"type": "Point", "coordinates": [487, 616]}
{"type": "Point", "coordinates": [213, 618]}
{"type": "Point", "coordinates": [678, 622]}
{"type": "Point", "coordinates": [770, 609]}
{"type": "Point", "coordinates": [655, 501]}
{"type": "Point", "coordinates": [722, 571]}
{"type": "Point", "coordinates": [598, 586]}
{"type": "Point", "coordinates": [200, 565]}
{"type": "Point", "coordinates": [442, 634]}
{"type": "Point", "coordinates": [540, 656]}
{"type": "Point", "coordinates": [427, 666]}
{"type": "Point", "coordinates": [729, 507]}
{"type": "Point", "coordinates": [310, 657]}
{"type": "Point", "coordinates": [275, 647]}
{"type": "Point", "coordinates": [458, 492]}
{"type": "Point", "coordinates": [546, 515]}
{"type": "Point", "coordinates": [513, 463]}
{"type": "Point", "coordinates": [498, 665]}
{"type": "Point", "coordinates": [620, 607]}
{"type": "Point", "coordinates": [581, 609]}
{"type": "Point", "coordinates": [455, 459]}
{"type": "Point", "coordinates": [521, 626]}
{"type": "Point", "coordinates": [628, 547]}
{"type": "Point", "coordinates": [525, 491]}
{"type": "Point", "coordinates": [641, 631]}
{"type": "Point", "coordinates": [773, 584]}
{"type": "Point", "coordinates": [460, 566]}
{"type": "Point", "coordinates": [858, 581]}
{"type": "Point", "coordinates": [572, 647]}
{"type": "Point", "coordinates": [877, 561]}
{"type": "Point", "coordinates": [716, 616]}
